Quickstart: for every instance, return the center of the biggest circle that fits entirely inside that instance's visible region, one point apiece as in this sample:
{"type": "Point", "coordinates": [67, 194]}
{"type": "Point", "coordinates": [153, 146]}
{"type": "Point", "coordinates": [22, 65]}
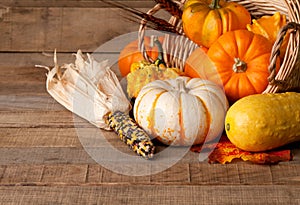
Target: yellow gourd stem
{"type": "Point", "coordinates": [215, 4]}
{"type": "Point", "coordinates": [239, 66]}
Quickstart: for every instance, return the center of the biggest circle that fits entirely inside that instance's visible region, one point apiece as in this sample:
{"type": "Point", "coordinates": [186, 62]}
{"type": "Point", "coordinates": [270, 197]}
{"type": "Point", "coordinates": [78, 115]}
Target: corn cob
{"type": "Point", "coordinates": [130, 133]}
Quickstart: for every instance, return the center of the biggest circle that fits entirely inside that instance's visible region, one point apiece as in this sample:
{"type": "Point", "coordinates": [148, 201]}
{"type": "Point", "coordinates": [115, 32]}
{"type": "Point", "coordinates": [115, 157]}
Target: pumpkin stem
{"type": "Point", "coordinates": [156, 42]}
{"type": "Point", "coordinates": [181, 86]}
{"type": "Point", "coordinates": [215, 4]}
{"type": "Point", "coordinates": [239, 66]}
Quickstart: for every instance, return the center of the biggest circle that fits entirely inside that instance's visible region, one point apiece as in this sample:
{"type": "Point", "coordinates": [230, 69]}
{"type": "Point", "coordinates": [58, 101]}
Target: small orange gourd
{"type": "Point", "coordinates": [131, 54]}
{"type": "Point", "coordinates": [204, 21]}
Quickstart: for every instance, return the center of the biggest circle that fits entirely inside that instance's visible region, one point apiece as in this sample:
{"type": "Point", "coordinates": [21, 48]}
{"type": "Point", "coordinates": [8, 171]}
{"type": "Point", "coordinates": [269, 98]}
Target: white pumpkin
{"type": "Point", "coordinates": [182, 111]}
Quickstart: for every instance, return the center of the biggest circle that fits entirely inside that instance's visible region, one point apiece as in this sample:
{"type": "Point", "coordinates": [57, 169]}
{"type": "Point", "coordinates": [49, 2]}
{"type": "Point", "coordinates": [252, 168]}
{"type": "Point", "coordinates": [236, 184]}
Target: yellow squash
{"type": "Point", "coordinates": [263, 122]}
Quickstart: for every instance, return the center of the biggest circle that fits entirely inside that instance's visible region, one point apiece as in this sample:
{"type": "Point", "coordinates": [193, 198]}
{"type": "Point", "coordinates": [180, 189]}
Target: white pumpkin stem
{"type": "Point", "coordinates": [181, 86]}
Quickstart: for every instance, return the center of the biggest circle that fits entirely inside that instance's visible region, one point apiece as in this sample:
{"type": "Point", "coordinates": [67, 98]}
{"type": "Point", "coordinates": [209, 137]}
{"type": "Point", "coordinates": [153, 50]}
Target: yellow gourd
{"type": "Point", "coordinates": [142, 73]}
{"type": "Point", "coordinates": [263, 122]}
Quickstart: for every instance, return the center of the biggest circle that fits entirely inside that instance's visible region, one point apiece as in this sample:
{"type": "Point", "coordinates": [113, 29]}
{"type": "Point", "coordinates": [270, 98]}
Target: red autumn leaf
{"type": "Point", "coordinates": [224, 152]}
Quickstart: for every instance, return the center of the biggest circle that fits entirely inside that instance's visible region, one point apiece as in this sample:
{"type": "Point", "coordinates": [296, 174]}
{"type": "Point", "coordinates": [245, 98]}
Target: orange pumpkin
{"type": "Point", "coordinates": [240, 62]}
{"type": "Point", "coordinates": [131, 54]}
{"type": "Point", "coordinates": [204, 21]}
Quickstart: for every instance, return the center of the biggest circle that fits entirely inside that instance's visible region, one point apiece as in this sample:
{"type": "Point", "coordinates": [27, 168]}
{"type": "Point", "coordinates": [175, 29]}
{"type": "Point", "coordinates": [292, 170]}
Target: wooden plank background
{"type": "Point", "coordinates": [42, 160]}
{"type": "Point", "coordinates": [36, 26]}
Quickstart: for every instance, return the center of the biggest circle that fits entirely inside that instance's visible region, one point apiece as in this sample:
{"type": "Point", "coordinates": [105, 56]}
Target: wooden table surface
{"type": "Point", "coordinates": [42, 158]}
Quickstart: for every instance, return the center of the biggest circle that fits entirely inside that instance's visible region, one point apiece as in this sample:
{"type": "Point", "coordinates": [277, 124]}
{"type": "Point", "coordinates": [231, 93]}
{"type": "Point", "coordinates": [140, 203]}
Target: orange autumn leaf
{"type": "Point", "coordinates": [224, 152]}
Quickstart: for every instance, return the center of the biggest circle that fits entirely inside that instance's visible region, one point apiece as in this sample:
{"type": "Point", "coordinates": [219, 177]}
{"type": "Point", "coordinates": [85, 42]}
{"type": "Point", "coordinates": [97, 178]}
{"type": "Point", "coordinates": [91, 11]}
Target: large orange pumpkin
{"type": "Point", "coordinates": [240, 62]}
{"type": "Point", "coordinates": [206, 20]}
{"type": "Point", "coordinates": [131, 54]}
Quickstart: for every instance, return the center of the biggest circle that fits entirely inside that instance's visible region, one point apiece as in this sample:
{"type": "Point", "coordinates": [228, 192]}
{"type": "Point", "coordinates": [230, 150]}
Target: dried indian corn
{"type": "Point", "coordinates": [91, 90]}
{"type": "Point", "coordinates": [134, 136]}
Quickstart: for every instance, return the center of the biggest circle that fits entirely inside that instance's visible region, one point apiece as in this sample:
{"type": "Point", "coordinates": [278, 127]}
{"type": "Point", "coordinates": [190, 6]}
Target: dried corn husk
{"type": "Point", "coordinates": [88, 88]}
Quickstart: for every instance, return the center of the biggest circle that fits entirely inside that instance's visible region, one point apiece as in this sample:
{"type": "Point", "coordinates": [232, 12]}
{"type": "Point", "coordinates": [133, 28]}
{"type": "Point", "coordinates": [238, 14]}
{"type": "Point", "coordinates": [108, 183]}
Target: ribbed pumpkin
{"type": "Point", "coordinates": [131, 54]}
{"type": "Point", "coordinates": [204, 21]}
{"type": "Point", "coordinates": [181, 111]}
{"type": "Point", "coordinates": [241, 60]}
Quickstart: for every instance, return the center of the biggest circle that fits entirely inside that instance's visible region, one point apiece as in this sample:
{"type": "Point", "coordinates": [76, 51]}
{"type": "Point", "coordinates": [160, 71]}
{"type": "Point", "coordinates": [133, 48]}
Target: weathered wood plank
{"type": "Point", "coordinates": [26, 103]}
{"type": "Point", "coordinates": [91, 137]}
{"type": "Point", "coordinates": [75, 3]}
{"type": "Point", "coordinates": [19, 88]}
{"type": "Point", "coordinates": [218, 174]}
{"type": "Point", "coordinates": [83, 175]}
{"type": "Point", "coordinates": [45, 118]}
{"type": "Point", "coordinates": [71, 154]}
{"type": "Point", "coordinates": [243, 173]}
{"type": "Point", "coordinates": [25, 174]}
{"type": "Point", "coordinates": [109, 177]}
{"type": "Point", "coordinates": [282, 174]}
{"type": "Point", "coordinates": [32, 29]}
{"type": "Point", "coordinates": [145, 194]}
{"type": "Point", "coordinates": [39, 137]}
{"type": "Point", "coordinates": [11, 63]}
{"type": "Point", "coordinates": [96, 174]}
{"type": "Point", "coordinates": [179, 173]}
{"type": "Point", "coordinates": [71, 174]}
{"type": "Point", "coordinates": [33, 155]}
{"type": "Point", "coordinates": [19, 76]}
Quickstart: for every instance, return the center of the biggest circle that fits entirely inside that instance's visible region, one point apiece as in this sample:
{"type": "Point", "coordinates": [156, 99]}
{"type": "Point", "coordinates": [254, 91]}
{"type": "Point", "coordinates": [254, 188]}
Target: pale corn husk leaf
{"type": "Point", "coordinates": [88, 88]}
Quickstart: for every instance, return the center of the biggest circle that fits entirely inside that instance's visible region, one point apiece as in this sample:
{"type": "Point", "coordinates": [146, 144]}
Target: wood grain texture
{"type": "Point", "coordinates": [144, 194]}
{"type": "Point", "coordinates": [87, 174]}
{"type": "Point", "coordinates": [20, 77]}
{"type": "Point", "coordinates": [74, 3]}
{"type": "Point", "coordinates": [32, 29]}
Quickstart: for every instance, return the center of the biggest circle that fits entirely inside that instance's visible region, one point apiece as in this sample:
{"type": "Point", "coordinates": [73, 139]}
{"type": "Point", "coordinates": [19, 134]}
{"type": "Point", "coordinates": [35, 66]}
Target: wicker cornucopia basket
{"type": "Point", "coordinates": [177, 48]}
